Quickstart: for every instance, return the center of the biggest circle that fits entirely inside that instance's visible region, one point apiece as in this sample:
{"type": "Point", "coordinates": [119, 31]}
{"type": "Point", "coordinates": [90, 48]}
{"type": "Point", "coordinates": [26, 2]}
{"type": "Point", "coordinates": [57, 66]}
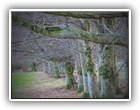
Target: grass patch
{"type": "Point", "coordinates": [21, 80]}
{"type": "Point", "coordinates": [56, 83]}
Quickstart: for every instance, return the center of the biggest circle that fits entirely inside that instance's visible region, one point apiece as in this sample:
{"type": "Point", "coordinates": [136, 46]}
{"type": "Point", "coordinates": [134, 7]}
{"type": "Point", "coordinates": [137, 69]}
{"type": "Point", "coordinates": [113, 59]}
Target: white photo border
{"type": "Point", "coordinates": [41, 10]}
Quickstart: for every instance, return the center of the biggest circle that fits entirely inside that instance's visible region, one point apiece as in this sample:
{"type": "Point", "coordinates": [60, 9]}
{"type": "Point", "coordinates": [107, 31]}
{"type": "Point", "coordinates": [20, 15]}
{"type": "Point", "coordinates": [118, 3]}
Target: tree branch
{"type": "Point", "coordinates": [63, 32]}
{"type": "Point", "coordinates": [120, 68]}
{"type": "Point", "coordinates": [91, 15]}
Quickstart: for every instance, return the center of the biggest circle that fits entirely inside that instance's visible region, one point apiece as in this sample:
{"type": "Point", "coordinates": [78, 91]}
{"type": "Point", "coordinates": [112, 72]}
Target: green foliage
{"type": "Point", "coordinates": [79, 90]}
{"type": "Point", "coordinates": [20, 21]}
{"type": "Point", "coordinates": [84, 35]}
{"type": "Point", "coordinates": [88, 52]}
{"type": "Point", "coordinates": [79, 70]}
{"type": "Point", "coordinates": [95, 37]}
{"type": "Point", "coordinates": [26, 24]}
{"type": "Point", "coordinates": [105, 71]}
{"type": "Point", "coordinates": [110, 23]}
{"type": "Point", "coordinates": [86, 95]}
{"type": "Point", "coordinates": [90, 65]}
{"type": "Point", "coordinates": [108, 47]}
{"type": "Point", "coordinates": [33, 27]}
{"type": "Point", "coordinates": [87, 25]}
{"type": "Point", "coordinates": [69, 67]}
{"type": "Point", "coordinates": [57, 73]}
{"type": "Point", "coordinates": [55, 60]}
{"type": "Point", "coordinates": [68, 86]}
{"type": "Point", "coordinates": [52, 29]}
{"type": "Point", "coordinates": [33, 67]}
{"type": "Point", "coordinates": [69, 71]}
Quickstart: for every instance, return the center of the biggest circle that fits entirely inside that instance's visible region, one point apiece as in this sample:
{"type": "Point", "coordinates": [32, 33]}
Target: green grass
{"type": "Point", "coordinates": [21, 80]}
{"type": "Point", "coordinates": [57, 83]}
{"type": "Point", "coordinates": [51, 84]}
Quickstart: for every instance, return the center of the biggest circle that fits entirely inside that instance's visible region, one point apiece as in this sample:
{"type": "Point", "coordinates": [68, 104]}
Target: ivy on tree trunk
{"type": "Point", "coordinates": [108, 87]}
{"type": "Point", "coordinates": [70, 81]}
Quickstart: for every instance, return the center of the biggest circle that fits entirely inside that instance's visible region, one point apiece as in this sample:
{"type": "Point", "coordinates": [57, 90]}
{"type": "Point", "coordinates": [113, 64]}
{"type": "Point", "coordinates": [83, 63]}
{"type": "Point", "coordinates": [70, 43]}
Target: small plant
{"type": "Point", "coordinates": [106, 72]}
{"type": "Point", "coordinates": [33, 67]}
{"type": "Point", "coordinates": [103, 96]}
{"type": "Point", "coordinates": [68, 86]}
{"type": "Point", "coordinates": [79, 90]}
{"type": "Point", "coordinates": [86, 95]}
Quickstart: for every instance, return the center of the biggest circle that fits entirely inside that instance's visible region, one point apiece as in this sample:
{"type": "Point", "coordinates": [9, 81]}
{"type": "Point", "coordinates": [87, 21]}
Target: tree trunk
{"type": "Point", "coordinates": [91, 15]}
{"type": "Point", "coordinates": [97, 82]}
{"type": "Point", "coordinates": [79, 76]}
{"type": "Point", "coordinates": [70, 81]}
{"type": "Point", "coordinates": [90, 70]}
{"type": "Point", "coordinates": [82, 60]}
{"type": "Point", "coordinates": [90, 85]}
{"type": "Point", "coordinates": [83, 74]}
{"type": "Point", "coordinates": [57, 72]}
{"type": "Point", "coordinates": [108, 87]}
{"type": "Point", "coordinates": [33, 67]}
{"type": "Point", "coordinates": [116, 75]}
{"type": "Point", "coordinates": [79, 79]}
{"type": "Point", "coordinates": [49, 68]}
{"type": "Point", "coordinates": [80, 82]}
{"type": "Point", "coordinates": [127, 78]}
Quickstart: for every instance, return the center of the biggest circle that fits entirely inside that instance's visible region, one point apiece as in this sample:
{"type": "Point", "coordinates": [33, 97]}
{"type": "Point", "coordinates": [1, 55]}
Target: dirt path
{"type": "Point", "coordinates": [44, 86]}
